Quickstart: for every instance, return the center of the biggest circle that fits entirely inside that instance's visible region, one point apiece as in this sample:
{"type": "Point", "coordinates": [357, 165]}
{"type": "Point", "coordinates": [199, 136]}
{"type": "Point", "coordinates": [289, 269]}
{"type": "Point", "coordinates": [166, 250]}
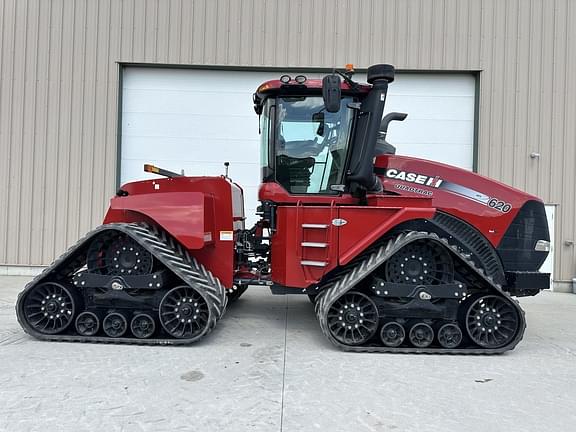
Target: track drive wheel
{"type": "Point", "coordinates": [420, 262]}
{"type": "Point", "coordinates": [353, 318]}
{"type": "Point", "coordinates": [49, 308]}
{"type": "Point", "coordinates": [491, 321]}
{"type": "Point", "coordinates": [184, 313]}
{"type": "Point", "coordinates": [118, 255]}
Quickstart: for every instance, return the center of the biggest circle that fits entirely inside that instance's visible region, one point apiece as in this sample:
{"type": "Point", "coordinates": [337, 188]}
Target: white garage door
{"type": "Point", "coordinates": [195, 120]}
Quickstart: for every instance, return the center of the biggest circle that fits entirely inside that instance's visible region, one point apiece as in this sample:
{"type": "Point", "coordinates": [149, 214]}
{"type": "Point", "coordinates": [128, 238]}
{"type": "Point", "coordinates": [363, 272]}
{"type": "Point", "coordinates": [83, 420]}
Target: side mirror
{"type": "Point", "coordinates": [257, 104]}
{"type": "Point", "coordinates": [331, 93]}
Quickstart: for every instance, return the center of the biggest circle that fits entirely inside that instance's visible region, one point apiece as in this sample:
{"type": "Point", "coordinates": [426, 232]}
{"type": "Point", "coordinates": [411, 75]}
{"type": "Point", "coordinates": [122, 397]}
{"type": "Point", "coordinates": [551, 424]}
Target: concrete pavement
{"type": "Point", "coordinates": [267, 367]}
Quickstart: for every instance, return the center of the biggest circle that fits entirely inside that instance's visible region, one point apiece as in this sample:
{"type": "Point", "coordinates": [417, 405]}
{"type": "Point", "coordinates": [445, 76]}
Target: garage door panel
{"type": "Point", "coordinates": [192, 79]}
{"type": "Point", "coordinates": [455, 154]}
{"type": "Point", "coordinates": [431, 131]}
{"type": "Point", "coordinates": [187, 102]}
{"type": "Point", "coordinates": [231, 150]}
{"type": "Point", "coordinates": [432, 107]}
{"type": "Point", "coordinates": [433, 84]}
{"type": "Point", "coordinates": [187, 126]}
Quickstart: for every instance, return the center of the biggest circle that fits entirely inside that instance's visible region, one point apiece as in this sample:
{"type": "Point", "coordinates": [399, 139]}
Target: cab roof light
{"type": "Point", "coordinates": [300, 79]}
{"type": "Point", "coordinates": [285, 79]}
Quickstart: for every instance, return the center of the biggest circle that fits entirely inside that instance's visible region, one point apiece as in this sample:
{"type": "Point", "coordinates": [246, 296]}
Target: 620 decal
{"type": "Point", "coordinates": [502, 206]}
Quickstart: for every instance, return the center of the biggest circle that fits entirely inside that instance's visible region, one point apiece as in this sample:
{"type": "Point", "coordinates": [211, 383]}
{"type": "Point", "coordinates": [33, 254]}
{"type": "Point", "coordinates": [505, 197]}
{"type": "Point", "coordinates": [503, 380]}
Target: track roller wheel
{"type": "Point", "coordinates": [353, 318]}
{"type": "Point", "coordinates": [87, 324]}
{"type": "Point", "coordinates": [421, 335]}
{"type": "Point", "coordinates": [49, 308]}
{"type": "Point", "coordinates": [142, 326]}
{"type": "Point", "coordinates": [449, 336]}
{"type": "Point", "coordinates": [115, 325]}
{"type": "Point", "coordinates": [392, 334]}
{"type": "Point", "coordinates": [184, 313]}
{"type": "Point", "coordinates": [491, 321]}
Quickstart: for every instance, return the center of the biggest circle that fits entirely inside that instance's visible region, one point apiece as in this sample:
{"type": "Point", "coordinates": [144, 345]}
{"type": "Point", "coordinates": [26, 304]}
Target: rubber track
{"type": "Point", "coordinates": [164, 248]}
{"type": "Point", "coordinates": [365, 265]}
{"type": "Point", "coordinates": [474, 242]}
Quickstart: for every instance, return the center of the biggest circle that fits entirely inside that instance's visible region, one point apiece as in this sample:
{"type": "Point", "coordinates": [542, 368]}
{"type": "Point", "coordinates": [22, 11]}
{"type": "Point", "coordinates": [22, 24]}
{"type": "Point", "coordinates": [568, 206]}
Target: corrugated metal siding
{"type": "Point", "coordinates": [59, 88]}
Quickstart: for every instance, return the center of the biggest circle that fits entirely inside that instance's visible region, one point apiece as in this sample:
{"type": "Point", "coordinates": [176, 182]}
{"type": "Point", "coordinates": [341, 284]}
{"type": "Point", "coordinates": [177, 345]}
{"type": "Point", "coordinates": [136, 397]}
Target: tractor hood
{"type": "Point", "coordinates": [479, 200]}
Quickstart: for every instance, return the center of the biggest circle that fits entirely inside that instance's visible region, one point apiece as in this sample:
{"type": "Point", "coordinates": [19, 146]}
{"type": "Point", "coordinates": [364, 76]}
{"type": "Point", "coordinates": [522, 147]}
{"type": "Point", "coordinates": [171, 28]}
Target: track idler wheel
{"type": "Point", "coordinates": [115, 325]}
{"type": "Point", "coordinates": [87, 324]}
{"type": "Point", "coordinates": [49, 308]}
{"type": "Point", "coordinates": [353, 318]}
{"type": "Point", "coordinates": [392, 334]}
{"type": "Point", "coordinates": [491, 321]}
{"type": "Point", "coordinates": [449, 336]}
{"type": "Point", "coordinates": [184, 313]}
{"type": "Point", "coordinates": [142, 326]}
{"type": "Point", "coordinates": [421, 335]}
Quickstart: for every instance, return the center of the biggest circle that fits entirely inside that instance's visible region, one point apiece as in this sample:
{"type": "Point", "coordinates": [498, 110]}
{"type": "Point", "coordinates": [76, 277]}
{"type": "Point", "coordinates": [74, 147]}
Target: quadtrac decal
{"type": "Point", "coordinates": [413, 189]}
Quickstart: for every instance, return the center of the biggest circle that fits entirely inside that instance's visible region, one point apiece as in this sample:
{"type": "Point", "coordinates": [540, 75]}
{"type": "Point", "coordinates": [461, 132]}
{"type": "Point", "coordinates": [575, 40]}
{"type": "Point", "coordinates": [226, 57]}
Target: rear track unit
{"type": "Point", "coordinates": [123, 283]}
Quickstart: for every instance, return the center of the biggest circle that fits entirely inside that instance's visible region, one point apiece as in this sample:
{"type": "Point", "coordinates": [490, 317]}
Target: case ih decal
{"type": "Point", "coordinates": [414, 177]}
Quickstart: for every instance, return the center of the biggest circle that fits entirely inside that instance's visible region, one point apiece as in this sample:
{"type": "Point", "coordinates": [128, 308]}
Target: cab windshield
{"type": "Point", "coordinates": [304, 147]}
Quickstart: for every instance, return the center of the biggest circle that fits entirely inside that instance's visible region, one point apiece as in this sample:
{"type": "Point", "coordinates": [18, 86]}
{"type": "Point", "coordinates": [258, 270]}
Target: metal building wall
{"type": "Point", "coordinates": [59, 88]}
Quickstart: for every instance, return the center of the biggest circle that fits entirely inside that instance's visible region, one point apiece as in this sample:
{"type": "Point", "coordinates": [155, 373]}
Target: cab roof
{"type": "Point", "coordinates": [313, 86]}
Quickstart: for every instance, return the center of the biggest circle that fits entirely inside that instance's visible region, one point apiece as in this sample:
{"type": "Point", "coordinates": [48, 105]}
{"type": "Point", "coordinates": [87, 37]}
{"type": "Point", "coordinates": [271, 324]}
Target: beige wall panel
{"type": "Point", "coordinates": [59, 88]}
{"type": "Point", "coordinates": [565, 173]}
{"type": "Point", "coordinates": [521, 91]}
{"type": "Point", "coordinates": [4, 123]}
{"type": "Point", "coordinates": [16, 112]}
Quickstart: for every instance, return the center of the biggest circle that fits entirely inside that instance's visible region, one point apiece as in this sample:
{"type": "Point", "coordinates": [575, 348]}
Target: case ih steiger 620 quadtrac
{"type": "Point", "coordinates": [398, 254]}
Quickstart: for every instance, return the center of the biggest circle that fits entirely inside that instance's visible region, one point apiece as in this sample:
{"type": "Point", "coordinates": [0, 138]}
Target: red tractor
{"type": "Point", "coordinates": [398, 254]}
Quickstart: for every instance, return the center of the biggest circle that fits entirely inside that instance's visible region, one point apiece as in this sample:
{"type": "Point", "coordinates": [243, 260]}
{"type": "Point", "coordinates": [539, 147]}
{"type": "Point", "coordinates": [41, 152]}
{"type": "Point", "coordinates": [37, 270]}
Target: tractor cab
{"type": "Point", "coordinates": [303, 146]}
{"type": "Point", "coordinates": [319, 136]}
